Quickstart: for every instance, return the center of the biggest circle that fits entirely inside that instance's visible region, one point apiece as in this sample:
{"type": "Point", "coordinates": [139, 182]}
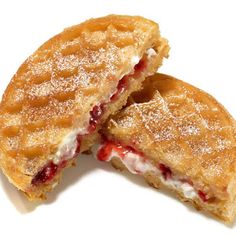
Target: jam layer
{"type": "Point", "coordinates": [136, 162]}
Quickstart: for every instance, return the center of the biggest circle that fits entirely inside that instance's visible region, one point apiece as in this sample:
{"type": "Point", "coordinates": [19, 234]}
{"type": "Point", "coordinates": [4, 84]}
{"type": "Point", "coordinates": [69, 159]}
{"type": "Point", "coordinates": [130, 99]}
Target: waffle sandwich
{"type": "Point", "coordinates": [177, 137]}
{"type": "Point", "coordinates": [58, 99]}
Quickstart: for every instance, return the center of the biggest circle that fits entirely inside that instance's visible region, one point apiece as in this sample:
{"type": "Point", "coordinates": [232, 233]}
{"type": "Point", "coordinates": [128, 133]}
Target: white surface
{"type": "Point", "coordinates": [93, 199]}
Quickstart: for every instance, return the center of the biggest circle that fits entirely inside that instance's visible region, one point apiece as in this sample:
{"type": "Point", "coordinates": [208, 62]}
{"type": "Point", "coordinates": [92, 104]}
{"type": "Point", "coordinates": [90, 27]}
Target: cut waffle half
{"type": "Point", "coordinates": [60, 96]}
{"type": "Point", "coordinates": [177, 137]}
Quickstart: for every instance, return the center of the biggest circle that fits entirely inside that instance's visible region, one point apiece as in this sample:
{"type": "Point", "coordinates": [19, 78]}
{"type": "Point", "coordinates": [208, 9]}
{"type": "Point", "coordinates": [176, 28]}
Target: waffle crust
{"type": "Point", "coordinates": [186, 129]}
{"type": "Point", "coordinates": [55, 89]}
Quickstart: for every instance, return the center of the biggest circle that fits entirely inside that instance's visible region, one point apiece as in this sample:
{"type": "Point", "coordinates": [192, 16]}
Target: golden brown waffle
{"type": "Point", "coordinates": [189, 133]}
{"type": "Point", "coordinates": [57, 89]}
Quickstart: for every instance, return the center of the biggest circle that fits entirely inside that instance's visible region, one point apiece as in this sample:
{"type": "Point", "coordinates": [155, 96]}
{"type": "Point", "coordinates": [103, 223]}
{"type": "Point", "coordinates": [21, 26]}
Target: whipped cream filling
{"type": "Point", "coordinates": [187, 189]}
{"type": "Point", "coordinates": [151, 53]}
{"type": "Point", "coordinates": [133, 162]}
{"type": "Point", "coordinates": [135, 60]}
{"type": "Point", "coordinates": [67, 148]}
{"type": "Point", "coordinates": [137, 164]}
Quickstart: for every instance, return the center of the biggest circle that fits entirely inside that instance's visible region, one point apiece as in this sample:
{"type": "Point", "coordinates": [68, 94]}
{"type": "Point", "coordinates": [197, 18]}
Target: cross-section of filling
{"type": "Point", "coordinates": [137, 163]}
{"type": "Point", "coordinates": [70, 147]}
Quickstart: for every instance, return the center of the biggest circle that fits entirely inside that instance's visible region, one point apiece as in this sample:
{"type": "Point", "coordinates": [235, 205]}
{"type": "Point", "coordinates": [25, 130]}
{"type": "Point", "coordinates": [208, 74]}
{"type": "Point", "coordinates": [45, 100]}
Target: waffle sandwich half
{"type": "Point", "coordinates": [60, 96]}
{"type": "Point", "coordinates": [178, 137]}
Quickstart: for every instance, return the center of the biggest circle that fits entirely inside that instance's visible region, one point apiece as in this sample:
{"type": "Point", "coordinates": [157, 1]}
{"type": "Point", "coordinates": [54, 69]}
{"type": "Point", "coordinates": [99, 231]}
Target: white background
{"type": "Point", "coordinates": [94, 199]}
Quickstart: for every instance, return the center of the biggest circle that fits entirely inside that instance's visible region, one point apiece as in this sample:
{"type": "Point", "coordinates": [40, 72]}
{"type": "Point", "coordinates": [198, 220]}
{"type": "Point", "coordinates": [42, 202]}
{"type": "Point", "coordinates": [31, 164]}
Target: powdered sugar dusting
{"type": "Point", "coordinates": [186, 128]}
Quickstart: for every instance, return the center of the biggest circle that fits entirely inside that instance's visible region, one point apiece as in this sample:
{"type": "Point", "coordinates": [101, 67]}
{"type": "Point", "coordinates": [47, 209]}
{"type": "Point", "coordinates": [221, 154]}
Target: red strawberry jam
{"type": "Point", "coordinates": [203, 196]}
{"type": "Point", "coordinates": [62, 164]}
{"type": "Point", "coordinates": [79, 140]}
{"type": "Point", "coordinates": [165, 171]}
{"type": "Point", "coordinates": [120, 88]}
{"type": "Point", "coordinates": [95, 116]}
{"type": "Point", "coordinates": [141, 66]}
{"type": "Point", "coordinates": [46, 174]}
{"type": "Point", "coordinates": [123, 83]}
{"type": "Point", "coordinates": [105, 151]}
